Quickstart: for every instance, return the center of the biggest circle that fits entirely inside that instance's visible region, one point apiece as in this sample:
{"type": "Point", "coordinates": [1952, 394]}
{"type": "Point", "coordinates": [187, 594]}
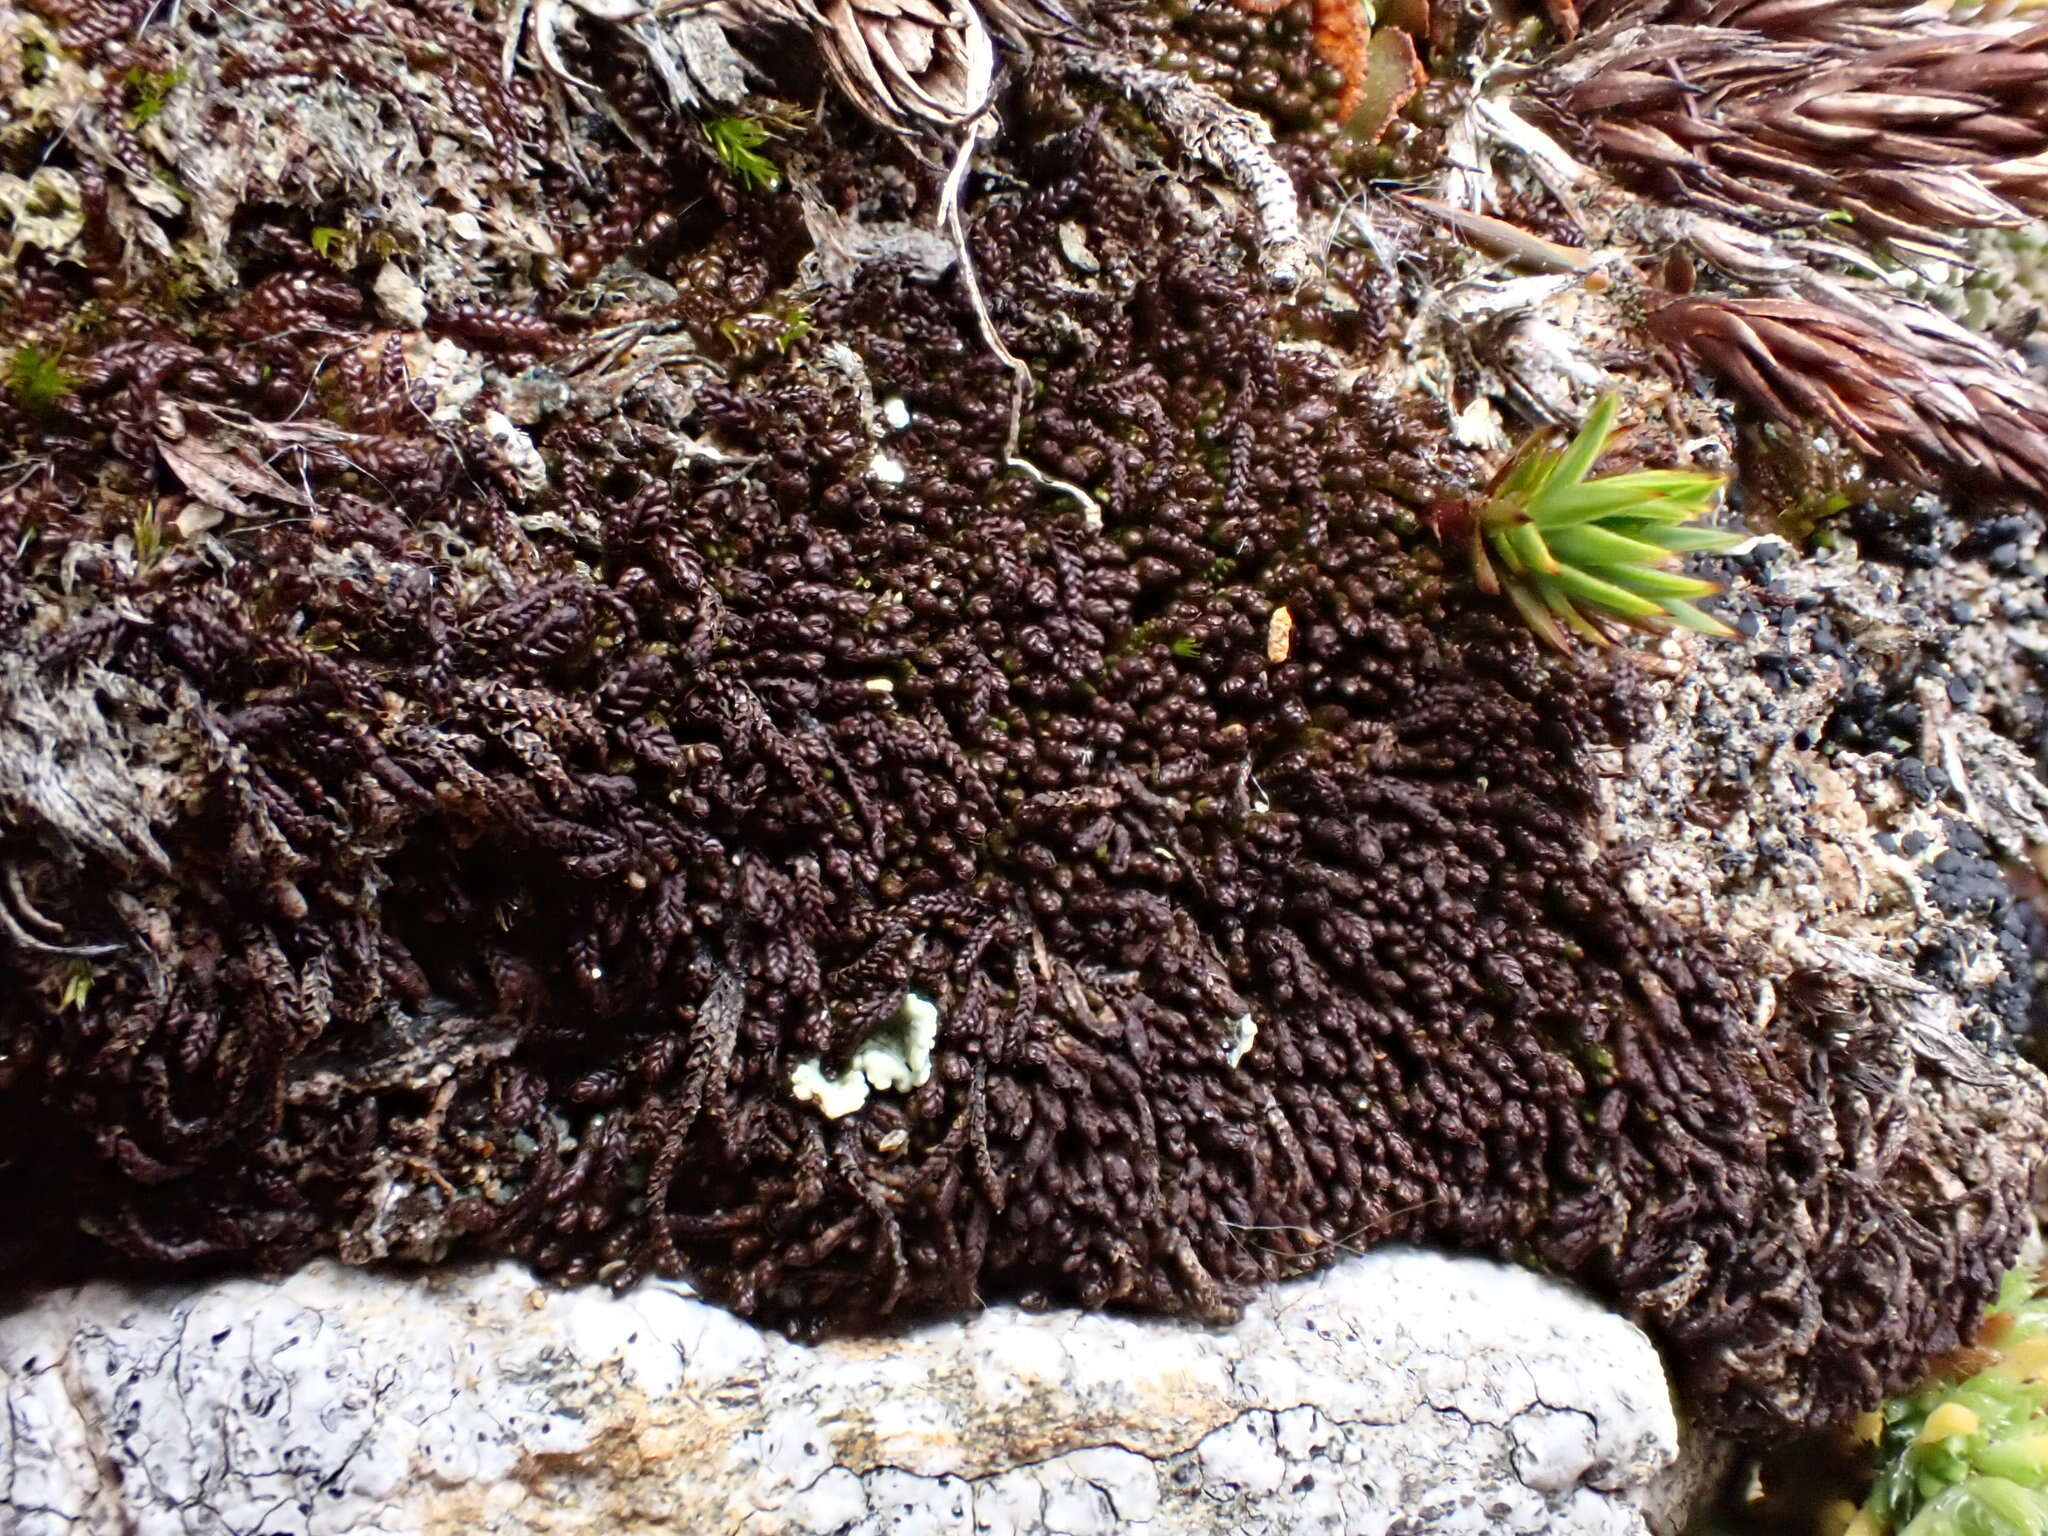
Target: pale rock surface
{"type": "Point", "coordinates": [1397, 1394]}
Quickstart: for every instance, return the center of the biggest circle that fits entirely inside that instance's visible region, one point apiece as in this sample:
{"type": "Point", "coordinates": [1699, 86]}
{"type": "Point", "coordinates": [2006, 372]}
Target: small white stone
{"type": "Point", "coordinates": [515, 449]}
{"type": "Point", "coordinates": [896, 413]}
{"type": "Point", "coordinates": [1478, 426]}
{"type": "Point", "coordinates": [400, 300]}
{"type": "Point", "coordinates": [1241, 1043]}
{"type": "Point", "coordinates": [1074, 246]}
{"type": "Point", "coordinates": [1280, 635]}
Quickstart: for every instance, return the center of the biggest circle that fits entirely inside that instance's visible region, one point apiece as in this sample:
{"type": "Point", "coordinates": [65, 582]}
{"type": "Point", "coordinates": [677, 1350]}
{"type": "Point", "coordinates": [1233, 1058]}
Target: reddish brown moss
{"type": "Point", "coordinates": [487, 865]}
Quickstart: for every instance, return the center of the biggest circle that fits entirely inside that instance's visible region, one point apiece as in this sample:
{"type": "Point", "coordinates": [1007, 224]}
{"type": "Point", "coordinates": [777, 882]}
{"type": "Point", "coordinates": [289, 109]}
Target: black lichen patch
{"type": "Point", "coordinates": [1909, 530]}
{"type": "Point", "coordinates": [1965, 880]}
{"type": "Point", "coordinates": [1878, 712]}
{"type": "Point", "coordinates": [399, 858]}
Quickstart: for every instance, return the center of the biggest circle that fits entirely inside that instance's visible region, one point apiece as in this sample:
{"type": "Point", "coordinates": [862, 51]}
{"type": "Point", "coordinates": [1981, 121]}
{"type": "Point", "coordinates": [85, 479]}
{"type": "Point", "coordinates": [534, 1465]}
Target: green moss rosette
{"type": "Point", "coordinates": [1592, 557]}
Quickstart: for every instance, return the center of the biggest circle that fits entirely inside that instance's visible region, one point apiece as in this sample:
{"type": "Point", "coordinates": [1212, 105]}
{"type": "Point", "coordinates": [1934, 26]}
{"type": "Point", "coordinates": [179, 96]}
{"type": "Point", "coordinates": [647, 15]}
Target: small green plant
{"type": "Point", "coordinates": [780, 328]}
{"type": "Point", "coordinates": [795, 328]}
{"type": "Point", "coordinates": [36, 379]}
{"type": "Point", "coordinates": [737, 142]}
{"type": "Point", "coordinates": [148, 535]}
{"type": "Point", "coordinates": [147, 91]}
{"type": "Point", "coordinates": [77, 987]}
{"type": "Point", "coordinates": [331, 244]}
{"type": "Point", "coordinates": [1589, 557]}
{"type": "Point", "coordinates": [1968, 1454]}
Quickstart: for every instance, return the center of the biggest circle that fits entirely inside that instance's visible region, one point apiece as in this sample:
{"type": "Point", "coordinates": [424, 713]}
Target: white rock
{"type": "Point", "coordinates": [1242, 1041]}
{"type": "Point", "coordinates": [515, 450]}
{"type": "Point", "coordinates": [1400, 1391]}
{"type": "Point", "coordinates": [400, 300]}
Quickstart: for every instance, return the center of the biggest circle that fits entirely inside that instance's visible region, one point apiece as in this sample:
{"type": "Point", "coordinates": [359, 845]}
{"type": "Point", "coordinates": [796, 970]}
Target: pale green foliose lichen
{"type": "Point", "coordinates": [894, 1059]}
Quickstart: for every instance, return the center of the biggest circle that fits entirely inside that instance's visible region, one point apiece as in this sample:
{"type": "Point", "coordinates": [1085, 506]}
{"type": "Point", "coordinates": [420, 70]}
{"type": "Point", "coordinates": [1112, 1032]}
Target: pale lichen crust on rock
{"type": "Point", "coordinates": [1499, 1403]}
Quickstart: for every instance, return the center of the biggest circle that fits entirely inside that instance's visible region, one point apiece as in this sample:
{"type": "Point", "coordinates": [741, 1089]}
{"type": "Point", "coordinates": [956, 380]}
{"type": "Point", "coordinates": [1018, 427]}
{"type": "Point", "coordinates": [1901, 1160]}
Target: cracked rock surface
{"type": "Point", "coordinates": [1398, 1392]}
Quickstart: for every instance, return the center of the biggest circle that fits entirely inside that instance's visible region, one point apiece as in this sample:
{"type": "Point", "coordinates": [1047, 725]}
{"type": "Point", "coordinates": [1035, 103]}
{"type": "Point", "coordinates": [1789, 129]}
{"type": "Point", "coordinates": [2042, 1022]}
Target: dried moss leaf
{"type": "Point", "coordinates": [1392, 75]}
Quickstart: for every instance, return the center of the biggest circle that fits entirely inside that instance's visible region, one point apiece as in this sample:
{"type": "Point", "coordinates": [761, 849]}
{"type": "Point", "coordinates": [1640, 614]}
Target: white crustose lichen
{"type": "Point", "coordinates": [894, 1059]}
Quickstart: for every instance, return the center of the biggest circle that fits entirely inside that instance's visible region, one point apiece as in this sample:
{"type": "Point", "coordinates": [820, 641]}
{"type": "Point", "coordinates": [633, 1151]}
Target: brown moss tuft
{"type": "Point", "coordinates": [427, 844]}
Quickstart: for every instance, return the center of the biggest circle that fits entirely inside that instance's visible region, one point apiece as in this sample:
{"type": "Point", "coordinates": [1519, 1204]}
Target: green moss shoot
{"type": "Point", "coordinates": [1588, 557]}
{"type": "Point", "coordinates": [36, 380]}
{"type": "Point", "coordinates": [737, 142]}
{"type": "Point", "coordinates": [148, 89]}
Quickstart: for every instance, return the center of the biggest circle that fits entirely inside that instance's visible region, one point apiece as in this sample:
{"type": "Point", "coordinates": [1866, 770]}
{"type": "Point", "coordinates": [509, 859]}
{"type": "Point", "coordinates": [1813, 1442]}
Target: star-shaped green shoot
{"type": "Point", "coordinates": [1590, 557]}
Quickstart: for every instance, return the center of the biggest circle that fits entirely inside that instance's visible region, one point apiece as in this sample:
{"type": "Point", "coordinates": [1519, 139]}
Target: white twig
{"type": "Point", "coordinates": [1236, 142]}
{"type": "Point", "coordinates": [1020, 373]}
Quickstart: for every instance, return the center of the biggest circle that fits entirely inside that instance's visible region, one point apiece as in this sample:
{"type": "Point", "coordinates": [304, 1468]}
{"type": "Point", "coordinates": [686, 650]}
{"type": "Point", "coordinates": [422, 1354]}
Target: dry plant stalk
{"type": "Point", "coordinates": [1934, 405]}
{"type": "Point", "coordinates": [1788, 113]}
{"type": "Point", "coordinates": [1815, 20]}
{"type": "Point", "coordinates": [906, 64]}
